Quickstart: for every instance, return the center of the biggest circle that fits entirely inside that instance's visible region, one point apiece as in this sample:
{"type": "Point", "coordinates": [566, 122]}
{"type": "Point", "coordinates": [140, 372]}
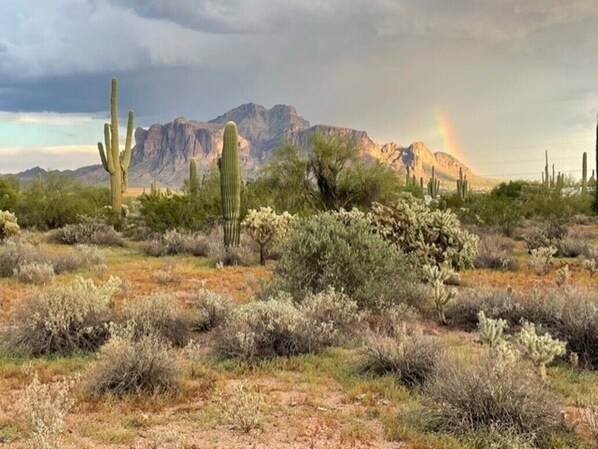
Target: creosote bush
{"type": "Point", "coordinates": [280, 327]}
{"type": "Point", "coordinates": [495, 253]}
{"type": "Point", "coordinates": [488, 392]}
{"type": "Point", "coordinates": [44, 407]}
{"type": "Point", "coordinates": [90, 231]}
{"type": "Point", "coordinates": [321, 252]}
{"type": "Point", "coordinates": [214, 309]}
{"type": "Point", "coordinates": [35, 273]}
{"type": "Point", "coordinates": [129, 365]}
{"type": "Point", "coordinates": [406, 353]}
{"type": "Point", "coordinates": [64, 319]}
{"type": "Point", "coordinates": [174, 242]}
{"type": "Point", "coordinates": [159, 315]}
{"type": "Point", "coordinates": [15, 254]}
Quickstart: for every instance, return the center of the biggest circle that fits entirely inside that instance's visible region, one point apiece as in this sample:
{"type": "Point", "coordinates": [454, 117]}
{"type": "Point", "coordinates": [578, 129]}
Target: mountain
{"type": "Point", "coordinates": [163, 151]}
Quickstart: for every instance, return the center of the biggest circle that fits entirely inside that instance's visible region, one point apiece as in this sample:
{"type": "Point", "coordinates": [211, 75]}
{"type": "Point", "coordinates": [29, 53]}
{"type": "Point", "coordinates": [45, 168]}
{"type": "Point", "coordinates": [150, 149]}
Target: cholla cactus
{"type": "Point", "coordinates": [491, 330]}
{"type": "Point", "coordinates": [591, 265]}
{"type": "Point", "coordinates": [540, 349]}
{"type": "Point", "coordinates": [8, 225]}
{"type": "Point", "coordinates": [562, 275]}
{"type": "Point", "coordinates": [541, 259]}
{"type": "Point", "coordinates": [437, 276]}
{"type": "Point", "coordinates": [435, 237]}
{"type": "Point", "coordinates": [265, 226]}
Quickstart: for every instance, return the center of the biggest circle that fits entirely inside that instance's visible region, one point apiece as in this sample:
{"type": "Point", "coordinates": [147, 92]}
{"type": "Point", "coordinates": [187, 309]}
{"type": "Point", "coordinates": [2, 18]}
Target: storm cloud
{"type": "Point", "coordinates": [510, 76]}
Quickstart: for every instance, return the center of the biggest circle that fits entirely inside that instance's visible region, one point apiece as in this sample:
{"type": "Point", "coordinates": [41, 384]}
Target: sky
{"type": "Point", "coordinates": [492, 82]}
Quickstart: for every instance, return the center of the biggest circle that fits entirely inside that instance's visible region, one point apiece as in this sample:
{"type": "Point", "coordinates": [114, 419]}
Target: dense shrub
{"type": "Point", "coordinates": [8, 225]}
{"type": "Point", "coordinates": [495, 252]}
{"type": "Point", "coordinates": [322, 252]}
{"type": "Point", "coordinates": [577, 244]}
{"type": "Point", "coordinates": [279, 327]}
{"type": "Point", "coordinates": [35, 273]}
{"type": "Point", "coordinates": [44, 406]}
{"type": "Point", "coordinates": [435, 237]}
{"type": "Point", "coordinates": [173, 242]}
{"type": "Point", "coordinates": [489, 392]}
{"type": "Point", "coordinates": [64, 319]}
{"type": "Point", "coordinates": [90, 231]}
{"type": "Point", "coordinates": [406, 353]}
{"type": "Point", "coordinates": [15, 254]}
{"type": "Point", "coordinates": [59, 200]}
{"type": "Point", "coordinates": [129, 365]}
{"type": "Point", "coordinates": [214, 309]}
{"type": "Point", "coordinates": [160, 315]}
{"type": "Point", "coordinates": [569, 314]}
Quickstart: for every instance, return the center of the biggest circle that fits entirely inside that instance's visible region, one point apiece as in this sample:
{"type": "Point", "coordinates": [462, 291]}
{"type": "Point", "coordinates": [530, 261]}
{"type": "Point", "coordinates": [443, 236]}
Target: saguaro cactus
{"type": "Point", "coordinates": [546, 178]}
{"type": "Point", "coordinates": [462, 185]}
{"type": "Point", "coordinates": [113, 161]}
{"type": "Point", "coordinates": [596, 174]}
{"type": "Point", "coordinates": [433, 184]}
{"type": "Point", "coordinates": [584, 174]}
{"type": "Point", "coordinates": [193, 180]}
{"type": "Point", "coordinates": [230, 186]}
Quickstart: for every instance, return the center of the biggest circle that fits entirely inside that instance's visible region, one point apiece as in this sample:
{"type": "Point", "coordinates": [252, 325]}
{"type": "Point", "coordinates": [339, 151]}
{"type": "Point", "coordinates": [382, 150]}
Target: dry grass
{"type": "Point", "coordinates": [319, 401]}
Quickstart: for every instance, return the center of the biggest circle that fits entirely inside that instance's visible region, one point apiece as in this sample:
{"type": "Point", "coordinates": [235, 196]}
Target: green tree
{"type": "Point", "coordinates": [9, 193]}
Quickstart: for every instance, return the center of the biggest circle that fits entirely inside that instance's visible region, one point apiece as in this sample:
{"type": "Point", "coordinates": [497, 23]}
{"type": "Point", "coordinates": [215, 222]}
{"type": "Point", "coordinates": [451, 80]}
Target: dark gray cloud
{"type": "Point", "coordinates": [507, 73]}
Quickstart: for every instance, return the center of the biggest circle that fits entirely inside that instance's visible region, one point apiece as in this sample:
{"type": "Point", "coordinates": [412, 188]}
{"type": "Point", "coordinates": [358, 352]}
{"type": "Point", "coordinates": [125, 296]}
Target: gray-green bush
{"type": "Point", "coordinates": [63, 319]}
{"type": "Point", "coordinates": [322, 252]}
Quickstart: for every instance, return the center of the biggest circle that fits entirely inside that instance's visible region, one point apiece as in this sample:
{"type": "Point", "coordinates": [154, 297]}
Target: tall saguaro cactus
{"type": "Point", "coordinates": [433, 184]}
{"type": "Point", "coordinates": [546, 178]}
{"type": "Point", "coordinates": [596, 175]}
{"type": "Point", "coordinates": [113, 161]}
{"type": "Point", "coordinates": [230, 186]}
{"type": "Point", "coordinates": [462, 185]}
{"type": "Point", "coordinates": [194, 184]}
{"type": "Point", "coordinates": [584, 174]}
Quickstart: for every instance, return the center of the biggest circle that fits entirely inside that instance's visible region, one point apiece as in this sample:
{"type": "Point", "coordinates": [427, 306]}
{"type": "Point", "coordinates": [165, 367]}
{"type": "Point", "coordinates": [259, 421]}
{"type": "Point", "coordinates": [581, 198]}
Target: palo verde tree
{"type": "Point", "coordinates": [113, 161]}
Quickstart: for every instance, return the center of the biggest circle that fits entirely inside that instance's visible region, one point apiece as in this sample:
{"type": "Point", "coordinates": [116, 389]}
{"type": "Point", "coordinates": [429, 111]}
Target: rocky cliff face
{"type": "Point", "coordinates": [163, 151]}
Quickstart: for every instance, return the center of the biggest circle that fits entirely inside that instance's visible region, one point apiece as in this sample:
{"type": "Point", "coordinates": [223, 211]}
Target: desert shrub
{"type": "Point", "coordinates": [8, 225]}
{"type": "Point", "coordinates": [44, 407]}
{"type": "Point", "coordinates": [15, 254]}
{"type": "Point", "coordinates": [435, 237]}
{"type": "Point", "coordinates": [570, 315]}
{"type": "Point", "coordinates": [322, 252]}
{"type": "Point", "coordinates": [83, 257]}
{"type": "Point", "coordinates": [562, 275]}
{"type": "Point", "coordinates": [392, 318]}
{"type": "Point", "coordinates": [165, 275]}
{"type": "Point", "coordinates": [35, 273]}
{"type": "Point", "coordinates": [478, 394]}
{"type": "Point", "coordinates": [266, 227]}
{"type": "Point", "coordinates": [244, 409]}
{"type": "Point", "coordinates": [59, 200]}
{"type": "Point", "coordinates": [576, 244]}
{"type": "Point", "coordinates": [173, 242]}
{"type": "Point", "coordinates": [406, 353]}
{"type": "Point", "coordinates": [495, 303]}
{"type": "Point", "coordinates": [64, 319]}
{"type": "Point", "coordinates": [280, 327]}
{"type": "Point", "coordinates": [214, 309]}
{"type": "Point", "coordinates": [160, 315]}
{"type": "Point", "coordinates": [90, 231]}
{"type": "Point", "coordinates": [128, 365]}
{"type": "Point", "coordinates": [495, 253]}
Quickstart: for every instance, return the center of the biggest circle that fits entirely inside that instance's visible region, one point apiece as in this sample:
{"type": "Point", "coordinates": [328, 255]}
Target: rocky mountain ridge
{"type": "Point", "coordinates": [163, 151]}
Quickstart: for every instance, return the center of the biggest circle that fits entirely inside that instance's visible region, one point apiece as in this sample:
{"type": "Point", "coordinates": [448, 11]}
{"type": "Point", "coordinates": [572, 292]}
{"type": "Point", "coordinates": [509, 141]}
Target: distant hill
{"type": "Point", "coordinates": [163, 151]}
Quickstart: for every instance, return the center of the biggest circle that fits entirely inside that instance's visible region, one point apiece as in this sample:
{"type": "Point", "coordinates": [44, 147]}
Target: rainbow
{"type": "Point", "coordinates": [448, 137]}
